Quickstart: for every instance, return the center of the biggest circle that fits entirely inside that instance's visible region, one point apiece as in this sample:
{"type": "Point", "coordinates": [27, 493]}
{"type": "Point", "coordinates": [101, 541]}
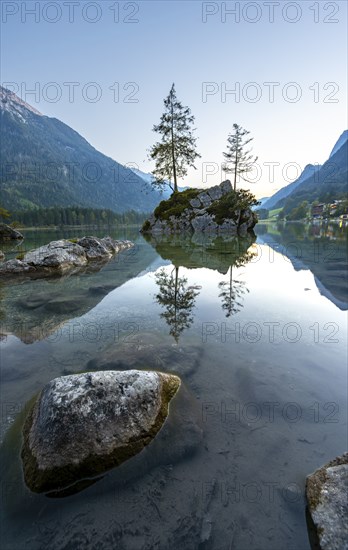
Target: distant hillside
{"type": "Point", "coordinates": [46, 163]}
{"type": "Point", "coordinates": [262, 203]}
{"type": "Point", "coordinates": [284, 192]}
{"type": "Point", "coordinates": [148, 178]}
{"type": "Point", "coordinates": [323, 183]}
{"type": "Point", "coordinates": [330, 183]}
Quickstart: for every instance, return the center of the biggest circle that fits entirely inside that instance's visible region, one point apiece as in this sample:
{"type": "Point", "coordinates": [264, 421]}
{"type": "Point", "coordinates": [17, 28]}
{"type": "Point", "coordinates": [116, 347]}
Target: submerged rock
{"type": "Point", "coordinates": [58, 257]}
{"type": "Point", "coordinates": [327, 496]}
{"type": "Point", "coordinates": [7, 233]}
{"type": "Point", "coordinates": [82, 425]}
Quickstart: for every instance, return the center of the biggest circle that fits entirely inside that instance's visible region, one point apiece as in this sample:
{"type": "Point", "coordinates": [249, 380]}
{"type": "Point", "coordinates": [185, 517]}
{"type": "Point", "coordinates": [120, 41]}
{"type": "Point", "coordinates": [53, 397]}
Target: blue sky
{"type": "Point", "coordinates": [141, 47]}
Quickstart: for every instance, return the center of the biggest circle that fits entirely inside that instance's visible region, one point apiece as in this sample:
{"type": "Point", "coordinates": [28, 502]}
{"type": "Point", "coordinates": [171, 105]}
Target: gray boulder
{"type": "Point", "coordinates": [9, 234]}
{"type": "Point", "coordinates": [57, 254]}
{"type": "Point", "coordinates": [231, 227]}
{"type": "Point", "coordinates": [203, 223]}
{"type": "Point", "coordinates": [205, 199]}
{"type": "Point", "coordinates": [82, 425]}
{"type": "Point", "coordinates": [327, 496]}
{"type": "Point", "coordinates": [226, 187]}
{"type": "Point", "coordinates": [195, 203]}
{"type": "Point", "coordinates": [216, 192]}
{"type": "Point", "coordinates": [61, 256]}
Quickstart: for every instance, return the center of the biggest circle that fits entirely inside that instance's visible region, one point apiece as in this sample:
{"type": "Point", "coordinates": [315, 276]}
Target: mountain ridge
{"type": "Point", "coordinates": [310, 185]}
{"type": "Point", "coordinates": [46, 163]}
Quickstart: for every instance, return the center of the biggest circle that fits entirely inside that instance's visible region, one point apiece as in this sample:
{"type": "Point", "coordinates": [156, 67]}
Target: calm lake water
{"type": "Point", "coordinates": [257, 331]}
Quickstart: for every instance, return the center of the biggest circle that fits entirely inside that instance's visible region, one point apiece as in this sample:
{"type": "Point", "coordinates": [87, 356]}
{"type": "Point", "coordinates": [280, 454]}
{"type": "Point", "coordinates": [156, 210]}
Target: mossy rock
{"type": "Point", "coordinates": [176, 204]}
{"type": "Point", "coordinates": [232, 206]}
{"type": "Point", "coordinates": [83, 425]}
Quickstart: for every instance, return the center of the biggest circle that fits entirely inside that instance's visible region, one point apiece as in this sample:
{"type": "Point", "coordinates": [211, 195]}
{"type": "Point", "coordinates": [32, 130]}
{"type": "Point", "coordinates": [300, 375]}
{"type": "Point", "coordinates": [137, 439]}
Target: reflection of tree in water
{"type": "Point", "coordinates": [177, 299]}
{"type": "Point", "coordinates": [231, 294]}
{"type": "Point", "coordinates": [233, 290]}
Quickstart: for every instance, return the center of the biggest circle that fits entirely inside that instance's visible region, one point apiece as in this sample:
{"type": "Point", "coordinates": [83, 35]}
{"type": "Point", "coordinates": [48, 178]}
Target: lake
{"type": "Point", "coordinates": [257, 331]}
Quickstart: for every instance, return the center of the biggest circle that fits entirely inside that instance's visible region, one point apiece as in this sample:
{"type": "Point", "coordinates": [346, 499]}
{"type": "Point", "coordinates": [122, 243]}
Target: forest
{"type": "Point", "coordinates": [75, 216]}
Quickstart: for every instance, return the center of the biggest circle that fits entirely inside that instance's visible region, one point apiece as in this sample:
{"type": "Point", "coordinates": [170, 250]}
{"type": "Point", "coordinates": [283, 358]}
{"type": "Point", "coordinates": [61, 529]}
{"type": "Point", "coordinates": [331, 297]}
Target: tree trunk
{"type": "Point", "coordinates": [235, 168]}
{"type": "Point", "coordinates": [173, 149]}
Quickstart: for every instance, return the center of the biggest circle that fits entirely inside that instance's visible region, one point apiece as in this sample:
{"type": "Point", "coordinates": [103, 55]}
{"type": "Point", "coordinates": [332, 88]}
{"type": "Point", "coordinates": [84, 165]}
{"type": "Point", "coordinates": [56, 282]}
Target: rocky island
{"type": "Point", "coordinates": [218, 210]}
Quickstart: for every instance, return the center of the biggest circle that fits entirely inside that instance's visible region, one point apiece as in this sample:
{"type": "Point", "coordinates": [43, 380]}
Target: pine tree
{"type": "Point", "coordinates": [176, 152]}
{"type": "Point", "coordinates": [238, 160]}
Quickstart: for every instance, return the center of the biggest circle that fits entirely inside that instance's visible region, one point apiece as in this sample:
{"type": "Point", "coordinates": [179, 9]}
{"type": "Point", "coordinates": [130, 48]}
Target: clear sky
{"type": "Point", "coordinates": [104, 68]}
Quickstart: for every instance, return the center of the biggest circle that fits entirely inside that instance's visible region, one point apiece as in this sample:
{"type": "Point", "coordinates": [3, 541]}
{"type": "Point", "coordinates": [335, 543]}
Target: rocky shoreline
{"type": "Point", "coordinates": [59, 257]}
{"type": "Point", "coordinates": [7, 233]}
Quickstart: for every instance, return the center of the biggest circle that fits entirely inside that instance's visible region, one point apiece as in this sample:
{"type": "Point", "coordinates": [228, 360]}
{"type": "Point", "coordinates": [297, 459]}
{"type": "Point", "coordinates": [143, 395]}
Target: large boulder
{"type": "Point", "coordinates": [327, 496]}
{"type": "Point", "coordinates": [82, 425]}
{"type": "Point", "coordinates": [194, 211]}
{"type": "Point", "coordinates": [98, 249]}
{"type": "Point", "coordinates": [57, 255]}
{"type": "Point", "coordinates": [61, 256]}
{"type": "Point", "coordinates": [7, 233]}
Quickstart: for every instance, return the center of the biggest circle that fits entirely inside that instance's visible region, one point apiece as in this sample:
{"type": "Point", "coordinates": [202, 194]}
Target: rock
{"type": "Point", "coordinates": [226, 187]}
{"type": "Point", "coordinates": [8, 234]}
{"type": "Point", "coordinates": [82, 425]}
{"type": "Point", "coordinates": [231, 227]}
{"type": "Point", "coordinates": [203, 215]}
{"type": "Point", "coordinates": [98, 249]}
{"type": "Point", "coordinates": [16, 266]}
{"type": "Point", "coordinates": [326, 491]}
{"type": "Point", "coordinates": [205, 199]}
{"type": "Point", "coordinates": [216, 192]}
{"type": "Point", "coordinates": [2, 255]}
{"type": "Point", "coordinates": [195, 203]}
{"type": "Point", "coordinates": [150, 349]}
{"type": "Point", "coordinates": [58, 257]}
{"type": "Point", "coordinates": [203, 223]}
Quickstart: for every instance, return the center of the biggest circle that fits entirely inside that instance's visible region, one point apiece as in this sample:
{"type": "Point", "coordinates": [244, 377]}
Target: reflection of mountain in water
{"type": "Point", "coordinates": [324, 253]}
{"type": "Point", "coordinates": [37, 308]}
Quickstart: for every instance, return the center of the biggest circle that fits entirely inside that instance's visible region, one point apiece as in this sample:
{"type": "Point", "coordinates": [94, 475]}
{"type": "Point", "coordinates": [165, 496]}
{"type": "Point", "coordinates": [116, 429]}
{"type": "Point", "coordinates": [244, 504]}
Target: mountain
{"type": "Point", "coordinates": [328, 184]}
{"type": "Point", "coordinates": [147, 177]}
{"type": "Point", "coordinates": [46, 163]}
{"type": "Point", "coordinates": [340, 142]}
{"type": "Point", "coordinates": [284, 192]}
{"type": "Point", "coordinates": [324, 183]}
{"type": "Point", "coordinates": [261, 205]}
